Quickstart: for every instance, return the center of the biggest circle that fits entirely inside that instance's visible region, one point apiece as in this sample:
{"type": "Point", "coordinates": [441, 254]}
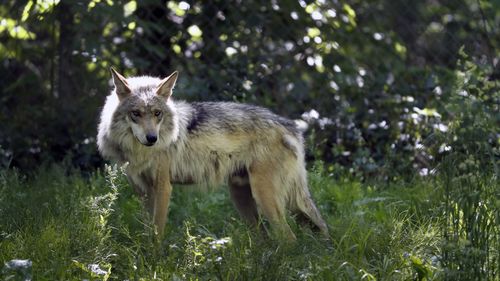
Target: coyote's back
{"type": "Point", "coordinates": [257, 153]}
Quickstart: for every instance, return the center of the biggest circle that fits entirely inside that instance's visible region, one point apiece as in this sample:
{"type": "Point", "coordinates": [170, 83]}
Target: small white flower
{"type": "Point", "coordinates": [441, 127]}
{"type": "Point", "coordinates": [95, 268]}
{"type": "Point", "coordinates": [424, 172]}
{"type": "Point", "coordinates": [310, 116]}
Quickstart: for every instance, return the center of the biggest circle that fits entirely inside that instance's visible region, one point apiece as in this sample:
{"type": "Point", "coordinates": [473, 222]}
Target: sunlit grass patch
{"type": "Point", "coordinates": [72, 227]}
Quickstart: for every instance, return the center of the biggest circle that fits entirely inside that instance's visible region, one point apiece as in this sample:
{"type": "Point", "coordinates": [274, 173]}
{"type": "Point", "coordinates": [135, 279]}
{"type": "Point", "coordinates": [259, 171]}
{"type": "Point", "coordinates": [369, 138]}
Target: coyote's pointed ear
{"type": "Point", "coordinates": [166, 85]}
{"type": "Point", "coordinates": [121, 85]}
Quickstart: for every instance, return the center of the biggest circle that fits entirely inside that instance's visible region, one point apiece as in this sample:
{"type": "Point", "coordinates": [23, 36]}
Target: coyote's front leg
{"type": "Point", "coordinates": [154, 188]}
{"type": "Point", "coordinates": [159, 199]}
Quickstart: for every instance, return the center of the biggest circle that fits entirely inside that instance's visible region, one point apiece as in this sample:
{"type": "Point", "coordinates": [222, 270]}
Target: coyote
{"type": "Point", "coordinates": [259, 154]}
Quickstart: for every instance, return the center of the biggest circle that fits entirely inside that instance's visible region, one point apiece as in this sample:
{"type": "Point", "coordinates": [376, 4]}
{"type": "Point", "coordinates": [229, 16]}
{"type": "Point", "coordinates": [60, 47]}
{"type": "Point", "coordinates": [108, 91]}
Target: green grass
{"type": "Point", "coordinates": [66, 224]}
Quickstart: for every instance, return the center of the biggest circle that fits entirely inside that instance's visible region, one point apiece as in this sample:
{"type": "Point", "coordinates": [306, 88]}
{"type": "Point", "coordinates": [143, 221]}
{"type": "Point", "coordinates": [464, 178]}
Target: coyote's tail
{"type": "Point", "coordinates": [301, 201]}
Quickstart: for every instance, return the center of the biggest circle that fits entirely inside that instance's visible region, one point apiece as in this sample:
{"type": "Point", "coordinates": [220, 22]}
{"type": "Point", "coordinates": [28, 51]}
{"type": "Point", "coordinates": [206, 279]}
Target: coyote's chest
{"type": "Point", "coordinates": [141, 158]}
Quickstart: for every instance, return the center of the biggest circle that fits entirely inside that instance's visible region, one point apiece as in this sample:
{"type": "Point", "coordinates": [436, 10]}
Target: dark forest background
{"type": "Point", "coordinates": [389, 87]}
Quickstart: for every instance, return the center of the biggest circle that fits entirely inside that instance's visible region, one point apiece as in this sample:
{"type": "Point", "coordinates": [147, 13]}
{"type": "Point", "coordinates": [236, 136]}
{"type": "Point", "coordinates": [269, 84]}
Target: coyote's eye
{"type": "Point", "coordinates": [135, 113]}
{"type": "Point", "coordinates": [157, 113]}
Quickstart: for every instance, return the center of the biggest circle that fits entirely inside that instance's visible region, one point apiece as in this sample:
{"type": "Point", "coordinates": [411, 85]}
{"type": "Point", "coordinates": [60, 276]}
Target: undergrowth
{"type": "Point", "coordinates": [72, 227]}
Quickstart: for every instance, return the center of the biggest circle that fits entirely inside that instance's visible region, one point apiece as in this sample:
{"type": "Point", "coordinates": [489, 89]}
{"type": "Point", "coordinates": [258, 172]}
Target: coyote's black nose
{"type": "Point", "coordinates": [151, 138]}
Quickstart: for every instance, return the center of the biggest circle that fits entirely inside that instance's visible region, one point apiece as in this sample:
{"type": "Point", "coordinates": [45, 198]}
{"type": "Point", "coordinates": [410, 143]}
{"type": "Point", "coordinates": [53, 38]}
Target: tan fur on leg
{"type": "Point", "coordinates": [162, 190]}
{"type": "Point", "coordinates": [267, 198]}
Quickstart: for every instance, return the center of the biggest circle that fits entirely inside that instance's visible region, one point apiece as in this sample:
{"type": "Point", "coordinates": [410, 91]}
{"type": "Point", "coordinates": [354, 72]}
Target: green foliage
{"type": "Point", "coordinates": [75, 228]}
{"type": "Point", "coordinates": [379, 73]}
{"type": "Point", "coordinates": [470, 174]}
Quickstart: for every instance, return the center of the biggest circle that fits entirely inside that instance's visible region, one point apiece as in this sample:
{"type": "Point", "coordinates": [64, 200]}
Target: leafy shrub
{"type": "Point", "coordinates": [378, 72]}
{"type": "Point", "coordinates": [470, 177]}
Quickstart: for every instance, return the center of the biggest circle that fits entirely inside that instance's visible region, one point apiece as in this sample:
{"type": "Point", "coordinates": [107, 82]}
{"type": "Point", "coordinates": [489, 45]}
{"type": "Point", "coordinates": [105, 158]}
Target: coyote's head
{"type": "Point", "coordinates": [144, 105]}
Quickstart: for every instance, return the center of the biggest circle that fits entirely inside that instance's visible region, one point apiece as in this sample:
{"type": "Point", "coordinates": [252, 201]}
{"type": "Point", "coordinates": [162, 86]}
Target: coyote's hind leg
{"type": "Point", "coordinates": [241, 195]}
{"type": "Point", "coordinates": [269, 197]}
